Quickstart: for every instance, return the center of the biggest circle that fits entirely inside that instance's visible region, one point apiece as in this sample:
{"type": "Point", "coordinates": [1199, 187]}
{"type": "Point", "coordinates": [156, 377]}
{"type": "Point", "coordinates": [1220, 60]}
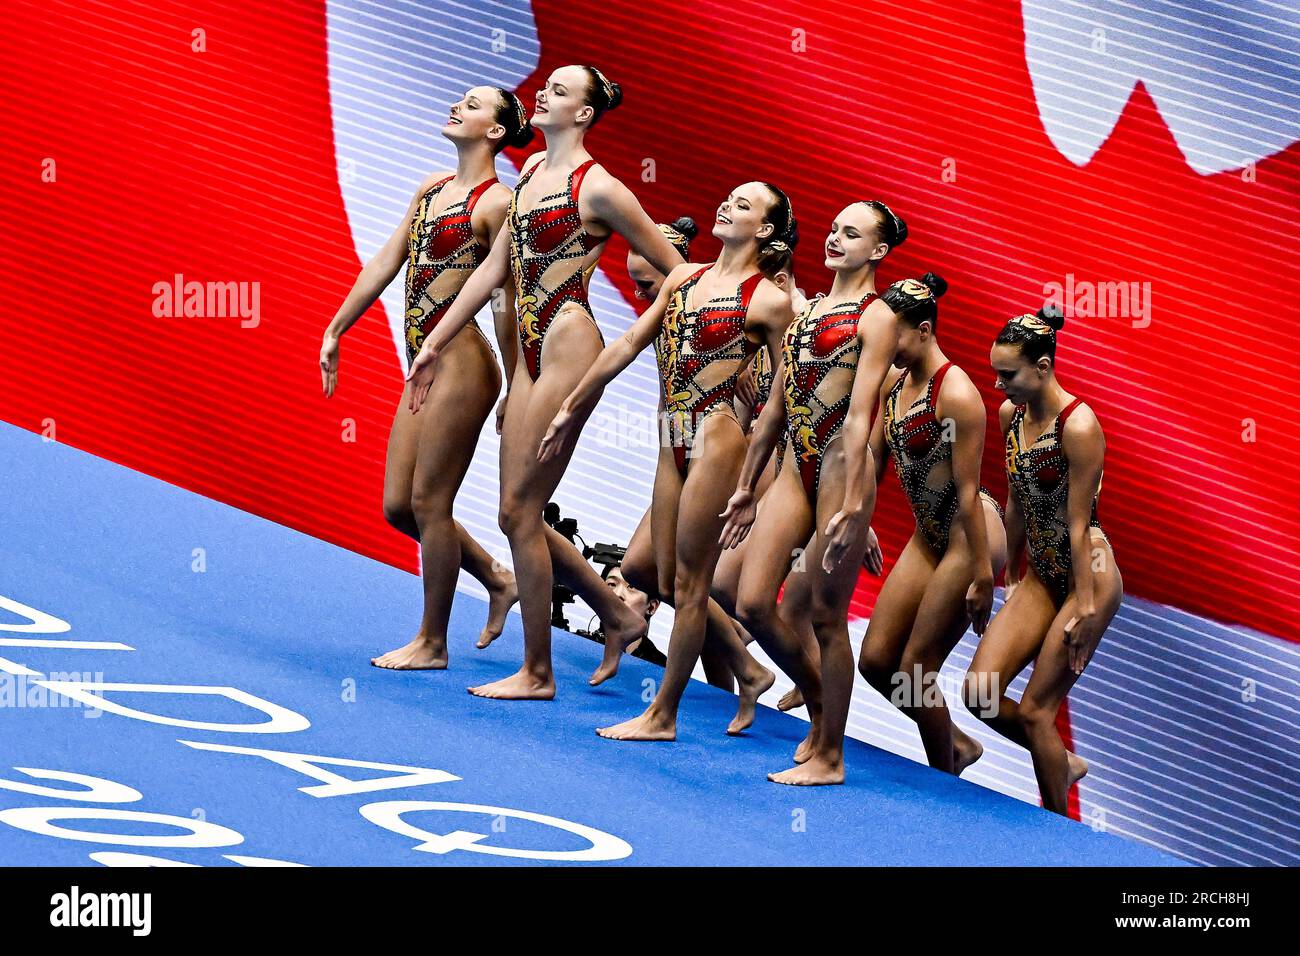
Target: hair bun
{"type": "Point", "coordinates": [791, 236]}
{"type": "Point", "coordinates": [937, 285]}
{"type": "Point", "coordinates": [686, 226]}
{"type": "Point", "coordinates": [901, 227]}
{"type": "Point", "coordinates": [523, 136]}
{"type": "Point", "coordinates": [616, 95]}
{"type": "Point", "coordinates": [1052, 316]}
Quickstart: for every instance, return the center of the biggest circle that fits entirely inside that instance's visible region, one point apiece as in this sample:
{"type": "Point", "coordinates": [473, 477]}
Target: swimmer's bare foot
{"type": "Point", "coordinates": [522, 685]}
{"type": "Point", "coordinates": [807, 746]}
{"type": "Point", "coordinates": [648, 726]}
{"type": "Point", "coordinates": [422, 654]}
{"type": "Point", "coordinates": [1078, 767]}
{"type": "Point", "coordinates": [751, 689]}
{"type": "Point", "coordinates": [619, 635]}
{"type": "Point", "coordinates": [817, 770]}
{"type": "Point", "coordinates": [965, 751]}
{"type": "Point", "coordinates": [792, 700]}
{"type": "Point", "coordinates": [502, 596]}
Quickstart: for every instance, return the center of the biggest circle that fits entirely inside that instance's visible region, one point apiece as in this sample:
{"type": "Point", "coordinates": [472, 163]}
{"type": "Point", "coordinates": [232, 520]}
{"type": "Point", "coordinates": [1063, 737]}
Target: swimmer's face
{"type": "Point", "coordinates": [912, 343]}
{"type": "Point", "coordinates": [645, 277]}
{"type": "Point", "coordinates": [1017, 377]}
{"type": "Point", "coordinates": [474, 116]}
{"type": "Point", "coordinates": [853, 239]}
{"type": "Point", "coordinates": [638, 601]}
{"type": "Point", "coordinates": [562, 102]}
{"type": "Point", "coordinates": [743, 214]}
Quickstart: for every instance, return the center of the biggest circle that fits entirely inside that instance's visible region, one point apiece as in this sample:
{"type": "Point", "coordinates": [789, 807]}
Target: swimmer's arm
{"type": "Point", "coordinates": [1015, 521]}
{"type": "Point", "coordinates": [769, 314]}
{"type": "Point", "coordinates": [380, 270]}
{"type": "Point", "coordinates": [1084, 446]}
{"type": "Point", "coordinates": [503, 305]}
{"type": "Point", "coordinates": [963, 407]}
{"type": "Point", "coordinates": [747, 393]}
{"type": "Point", "coordinates": [620, 353]}
{"type": "Point", "coordinates": [613, 205]}
{"type": "Point", "coordinates": [878, 329]}
{"type": "Point", "coordinates": [880, 447]}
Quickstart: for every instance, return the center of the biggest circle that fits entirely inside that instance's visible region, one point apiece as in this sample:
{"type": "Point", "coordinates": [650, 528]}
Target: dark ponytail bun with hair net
{"type": "Point", "coordinates": [893, 230]}
{"type": "Point", "coordinates": [776, 250]}
{"type": "Point", "coordinates": [917, 300]}
{"type": "Point", "coordinates": [1034, 334]}
{"type": "Point", "coordinates": [512, 115]}
{"type": "Point", "coordinates": [1051, 315]}
{"type": "Point", "coordinates": [602, 94]}
{"type": "Point", "coordinates": [680, 232]}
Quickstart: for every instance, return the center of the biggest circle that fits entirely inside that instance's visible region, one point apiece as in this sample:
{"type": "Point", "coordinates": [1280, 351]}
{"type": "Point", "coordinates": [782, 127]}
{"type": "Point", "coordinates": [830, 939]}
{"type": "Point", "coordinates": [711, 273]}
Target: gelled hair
{"type": "Point", "coordinates": [893, 230]}
{"type": "Point", "coordinates": [680, 232]}
{"type": "Point", "coordinates": [512, 115]}
{"type": "Point", "coordinates": [776, 251]}
{"type": "Point", "coordinates": [602, 95]}
{"type": "Point", "coordinates": [917, 300]}
{"type": "Point", "coordinates": [775, 258]}
{"type": "Point", "coordinates": [1035, 335]}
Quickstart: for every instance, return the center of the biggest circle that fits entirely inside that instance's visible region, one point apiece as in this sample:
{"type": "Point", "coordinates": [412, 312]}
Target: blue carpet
{"type": "Point", "coordinates": [292, 620]}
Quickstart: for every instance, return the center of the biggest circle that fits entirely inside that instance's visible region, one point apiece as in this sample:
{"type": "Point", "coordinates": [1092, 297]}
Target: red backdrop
{"type": "Point", "coordinates": [220, 166]}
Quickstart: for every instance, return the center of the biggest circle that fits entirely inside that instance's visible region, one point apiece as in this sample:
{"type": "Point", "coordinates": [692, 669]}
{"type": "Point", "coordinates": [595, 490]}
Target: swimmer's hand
{"type": "Point", "coordinates": [844, 529]}
{"type": "Point", "coordinates": [979, 601]}
{"type": "Point", "coordinates": [558, 435]}
{"type": "Point", "coordinates": [329, 364]}
{"type": "Point", "coordinates": [421, 374]}
{"type": "Point", "coordinates": [501, 411]}
{"type": "Point", "coordinates": [1082, 635]}
{"type": "Point", "coordinates": [874, 559]}
{"type": "Point", "coordinates": [738, 518]}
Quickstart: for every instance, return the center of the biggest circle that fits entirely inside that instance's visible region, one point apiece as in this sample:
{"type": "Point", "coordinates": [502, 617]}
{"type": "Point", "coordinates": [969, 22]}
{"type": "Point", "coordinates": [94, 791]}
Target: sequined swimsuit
{"type": "Point", "coordinates": [762, 382]}
{"type": "Point", "coordinates": [1039, 475]}
{"type": "Point", "coordinates": [437, 245]}
{"type": "Point", "coordinates": [549, 240]}
{"type": "Point", "coordinates": [812, 349]}
{"type": "Point", "coordinates": [693, 342]}
{"type": "Point", "coordinates": [923, 460]}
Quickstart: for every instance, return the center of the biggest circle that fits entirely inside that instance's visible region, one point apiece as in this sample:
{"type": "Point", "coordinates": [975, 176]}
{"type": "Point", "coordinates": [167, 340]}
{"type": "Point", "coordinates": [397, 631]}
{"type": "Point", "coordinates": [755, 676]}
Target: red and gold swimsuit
{"type": "Point", "coordinates": [1039, 475]}
{"type": "Point", "coordinates": [812, 349]}
{"type": "Point", "coordinates": [548, 246]}
{"type": "Point", "coordinates": [698, 346]}
{"type": "Point", "coordinates": [923, 459]}
{"type": "Point", "coordinates": [442, 253]}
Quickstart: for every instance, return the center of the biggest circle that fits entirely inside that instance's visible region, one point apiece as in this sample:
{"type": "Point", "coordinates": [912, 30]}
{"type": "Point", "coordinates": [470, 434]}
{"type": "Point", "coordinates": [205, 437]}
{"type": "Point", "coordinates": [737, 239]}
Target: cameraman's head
{"type": "Point", "coordinates": [639, 601]}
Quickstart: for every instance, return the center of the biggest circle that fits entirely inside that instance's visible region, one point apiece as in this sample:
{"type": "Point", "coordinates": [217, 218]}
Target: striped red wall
{"type": "Point", "coordinates": [219, 165]}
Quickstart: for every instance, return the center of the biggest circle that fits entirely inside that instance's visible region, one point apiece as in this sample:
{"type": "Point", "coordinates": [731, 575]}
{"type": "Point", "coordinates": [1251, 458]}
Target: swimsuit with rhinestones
{"type": "Point", "coordinates": [1039, 475]}
{"type": "Point", "coordinates": [812, 349]}
{"type": "Point", "coordinates": [923, 460]}
{"type": "Point", "coordinates": [693, 342]}
{"type": "Point", "coordinates": [548, 245]}
{"type": "Point", "coordinates": [438, 245]}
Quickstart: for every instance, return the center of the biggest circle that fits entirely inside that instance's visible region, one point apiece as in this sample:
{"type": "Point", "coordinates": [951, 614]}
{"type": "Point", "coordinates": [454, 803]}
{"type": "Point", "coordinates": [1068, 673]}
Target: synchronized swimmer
{"type": "Point", "coordinates": [780, 417]}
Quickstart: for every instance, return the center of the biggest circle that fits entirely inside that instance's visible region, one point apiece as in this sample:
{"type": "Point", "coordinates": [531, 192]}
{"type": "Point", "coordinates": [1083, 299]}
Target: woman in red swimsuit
{"type": "Point", "coordinates": [834, 357]}
{"type": "Point", "coordinates": [444, 236]}
{"type": "Point", "coordinates": [638, 567]}
{"type": "Point", "coordinates": [563, 210]}
{"type": "Point", "coordinates": [706, 325]}
{"type": "Point", "coordinates": [932, 422]}
{"type": "Point", "coordinates": [1056, 614]}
